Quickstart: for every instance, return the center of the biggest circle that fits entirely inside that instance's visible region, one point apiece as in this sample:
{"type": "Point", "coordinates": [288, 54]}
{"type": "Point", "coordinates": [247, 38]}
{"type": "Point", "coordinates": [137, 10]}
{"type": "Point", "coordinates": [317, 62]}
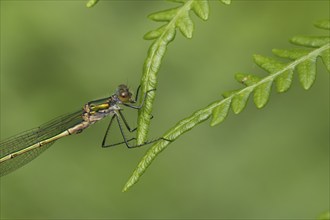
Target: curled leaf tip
{"type": "Point", "coordinates": [91, 3]}
{"type": "Point", "coordinates": [226, 2]}
{"type": "Point", "coordinates": [323, 24]}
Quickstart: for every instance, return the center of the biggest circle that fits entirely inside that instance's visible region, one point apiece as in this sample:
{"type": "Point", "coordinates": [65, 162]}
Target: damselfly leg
{"type": "Point", "coordinates": [115, 117]}
{"type": "Point", "coordinates": [126, 140]}
{"type": "Point", "coordinates": [118, 116]}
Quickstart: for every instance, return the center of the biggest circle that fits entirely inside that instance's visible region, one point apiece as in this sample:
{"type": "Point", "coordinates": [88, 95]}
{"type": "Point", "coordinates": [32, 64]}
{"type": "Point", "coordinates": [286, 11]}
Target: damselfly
{"type": "Point", "coordinates": [21, 149]}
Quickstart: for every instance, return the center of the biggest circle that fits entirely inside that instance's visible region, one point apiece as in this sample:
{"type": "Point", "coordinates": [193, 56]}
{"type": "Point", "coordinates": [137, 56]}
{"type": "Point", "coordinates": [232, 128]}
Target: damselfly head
{"type": "Point", "coordinates": [124, 94]}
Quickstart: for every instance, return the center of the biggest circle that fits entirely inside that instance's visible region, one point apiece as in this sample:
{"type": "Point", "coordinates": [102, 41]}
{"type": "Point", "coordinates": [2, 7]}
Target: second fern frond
{"type": "Point", "coordinates": [303, 62]}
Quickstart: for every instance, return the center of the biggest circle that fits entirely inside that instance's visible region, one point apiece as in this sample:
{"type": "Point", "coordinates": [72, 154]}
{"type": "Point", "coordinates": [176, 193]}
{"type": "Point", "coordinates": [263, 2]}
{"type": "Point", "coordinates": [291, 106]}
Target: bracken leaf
{"type": "Point", "coordinates": [185, 25]}
{"type": "Point", "coordinates": [201, 9]}
{"type": "Point", "coordinates": [284, 81]}
{"type": "Point", "coordinates": [292, 54]}
{"type": "Point", "coordinates": [155, 33]}
{"type": "Point", "coordinates": [261, 94]}
{"type": "Point", "coordinates": [168, 36]}
{"type": "Point", "coordinates": [165, 15]}
{"type": "Point", "coordinates": [271, 65]}
{"type": "Point", "coordinates": [309, 41]}
{"type": "Point", "coordinates": [323, 24]}
{"type": "Point", "coordinates": [151, 66]}
{"type": "Point", "coordinates": [220, 112]}
{"type": "Point", "coordinates": [240, 99]}
{"type": "Point", "coordinates": [307, 72]}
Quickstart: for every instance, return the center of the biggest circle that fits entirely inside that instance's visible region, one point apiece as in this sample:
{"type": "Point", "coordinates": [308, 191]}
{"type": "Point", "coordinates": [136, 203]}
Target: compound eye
{"type": "Point", "coordinates": [124, 96]}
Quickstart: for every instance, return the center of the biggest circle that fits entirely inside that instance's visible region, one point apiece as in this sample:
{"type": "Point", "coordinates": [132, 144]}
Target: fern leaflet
{"type": "Point", "coordinates": [91, 3]}
{"type": "Point", "coordinates": [303, 61]}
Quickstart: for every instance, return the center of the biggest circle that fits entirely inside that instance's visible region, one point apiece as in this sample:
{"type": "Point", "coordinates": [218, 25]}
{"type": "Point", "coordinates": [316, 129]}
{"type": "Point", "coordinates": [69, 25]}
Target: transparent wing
{"type": "Point", "coordinates": [28, 138]}
{"type": "Point", "coordinates": [11, 165]}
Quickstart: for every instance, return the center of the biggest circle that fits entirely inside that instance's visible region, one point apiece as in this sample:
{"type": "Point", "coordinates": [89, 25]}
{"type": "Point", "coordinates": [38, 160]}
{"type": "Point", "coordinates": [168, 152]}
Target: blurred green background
{"type": "Point", "coordinates": [268, 163]}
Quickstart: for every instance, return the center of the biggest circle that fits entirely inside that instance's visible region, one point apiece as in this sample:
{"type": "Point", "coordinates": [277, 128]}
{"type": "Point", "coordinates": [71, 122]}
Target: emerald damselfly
{"type": "Point", "coordinates": [18, 150]}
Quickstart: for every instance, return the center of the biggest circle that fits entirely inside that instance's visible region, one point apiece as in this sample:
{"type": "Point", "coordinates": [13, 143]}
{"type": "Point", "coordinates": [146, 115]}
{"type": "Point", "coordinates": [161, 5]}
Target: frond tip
{"type": "Point", "coordinates": [301, 60]}
{"type": "Point", "coordinates": [91, 3]}
{"type": "Point", "coordinates": [227, 2]}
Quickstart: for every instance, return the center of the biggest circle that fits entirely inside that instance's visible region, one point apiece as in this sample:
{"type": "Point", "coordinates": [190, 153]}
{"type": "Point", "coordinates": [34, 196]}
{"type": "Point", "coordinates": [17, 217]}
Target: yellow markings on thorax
{"type": "Point", "coordinates": [99, 107]}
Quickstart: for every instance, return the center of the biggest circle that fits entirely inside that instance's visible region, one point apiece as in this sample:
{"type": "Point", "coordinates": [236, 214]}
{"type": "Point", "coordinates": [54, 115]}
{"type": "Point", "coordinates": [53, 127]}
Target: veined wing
{"type": "Point", "coordinates": [33, 136]}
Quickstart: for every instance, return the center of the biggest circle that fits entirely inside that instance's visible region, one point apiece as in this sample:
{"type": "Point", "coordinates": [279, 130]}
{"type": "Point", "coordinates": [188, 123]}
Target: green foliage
{"type": "Point", "coordinates": [303, 61]}
{"type": "Point", "coordinates": [227, 2]}
{"type": "Point", "coordinates": [91, 3]}
{"type": "Point", "coordinates": [324, 216]}
{"type": "Point", "coordinates": [175, 18]}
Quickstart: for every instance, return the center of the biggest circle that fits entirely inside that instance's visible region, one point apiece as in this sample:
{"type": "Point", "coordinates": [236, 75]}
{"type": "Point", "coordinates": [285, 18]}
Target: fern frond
{"type": "Point", "coordinates": [303, 61]}
{"type": "Point", "coordinates": [175, 18]}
